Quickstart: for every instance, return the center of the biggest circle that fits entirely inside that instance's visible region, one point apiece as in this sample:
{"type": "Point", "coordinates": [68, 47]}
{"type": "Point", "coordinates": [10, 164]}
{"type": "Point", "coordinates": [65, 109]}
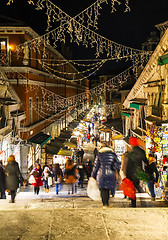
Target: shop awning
{"type": "Point", "coordinates": [51, 149]}
{"type": "Point", "coordinates": [40, 138]}
{"type": "Point", "coordinates": [70, 144]}
{"type": "Point", "coordinates": [140, 101]}
{"type": "Point", "coordinates": [116, 124]}
{"type": "Point", "coordinates": [162, 60]}
{"type": "Point", "coordinates": [117, 137]}
{"type": "Point", "coordinates": [64, 153]}
{"type": "Point", "coordinates": [126, 114]}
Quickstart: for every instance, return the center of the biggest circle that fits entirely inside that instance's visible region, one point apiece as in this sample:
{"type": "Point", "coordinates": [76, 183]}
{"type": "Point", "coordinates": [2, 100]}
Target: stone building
{"type": "Point", "coordinates": [39, 91]}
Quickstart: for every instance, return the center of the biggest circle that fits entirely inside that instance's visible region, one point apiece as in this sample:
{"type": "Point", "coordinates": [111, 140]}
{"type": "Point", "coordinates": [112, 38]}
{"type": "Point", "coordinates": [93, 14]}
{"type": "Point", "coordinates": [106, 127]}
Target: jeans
{"type": "Point", "coordinates": [58, 187]}
{"type": "Point", "coordinates": [46, 184]}
{"type": "Point", "coordinates": [151, 188]}
{"type": "Point", "coordinates": [105, 195]}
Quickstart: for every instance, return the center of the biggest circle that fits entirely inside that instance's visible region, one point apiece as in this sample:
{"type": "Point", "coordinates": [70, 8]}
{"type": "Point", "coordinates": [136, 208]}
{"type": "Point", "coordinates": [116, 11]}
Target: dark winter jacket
{"type": "Point", "coordinates": [136, 163]}
{"type": "Point", "coordinates": [104, 168]}
{"type": "Point", "coordinates": [2, 179]}
{"type": "Point", "coordinates": [13, 176]}
{"type": "Point", "coordinates": [152, 171]}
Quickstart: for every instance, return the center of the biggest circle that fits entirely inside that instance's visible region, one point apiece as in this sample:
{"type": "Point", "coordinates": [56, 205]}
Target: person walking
{"type": "Point", "coordinates": [37, 173]}
{"type": "Point", "coordinates": [13, 177]}
{"type": "Point", "coordinates": [81, 171]}
{"type": "Point", "coordinates": [88, 137]}
{"type": "Point", "coordinates": [105, 171]}
{"type": "Point", "coordinates": [95, 152]}
{"type": "Point", "coordinates": [88, 168]}
{"type": "Point", "coordinates": [152, 171]}
{"type": "Point", "coordinates": [70, 175]}
{"type": "Point", "coordinates": [124, 160]}
{"type": "Point", "coordinates": [50, 178]}
{"type": "Point", "coordinates": [81, 152]}
{"type": "Point", "coordinates": [46, 175]}
{"type": "Point", "coordinates": [58, 177]}
{"type": "Point", "coordinates": [2, 182]}
{"type": "Point", "coordinates": [135, 166]}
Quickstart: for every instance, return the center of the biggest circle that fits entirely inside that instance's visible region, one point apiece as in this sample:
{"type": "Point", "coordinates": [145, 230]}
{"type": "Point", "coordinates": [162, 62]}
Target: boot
{"type": "Point", "coordinates": [133, 203]}
{"type": "Point", "coordinates": [47, 190]}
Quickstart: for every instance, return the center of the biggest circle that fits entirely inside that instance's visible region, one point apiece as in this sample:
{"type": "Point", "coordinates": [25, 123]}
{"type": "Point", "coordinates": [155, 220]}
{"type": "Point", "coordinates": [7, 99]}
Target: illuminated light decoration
{"type": "Point", "coordinates": [80, 34]}
{"type": "Point", "coordinates": [88, 17]}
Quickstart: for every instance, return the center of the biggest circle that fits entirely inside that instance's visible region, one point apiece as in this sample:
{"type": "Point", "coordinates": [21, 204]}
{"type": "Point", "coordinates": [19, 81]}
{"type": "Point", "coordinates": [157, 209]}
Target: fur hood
{"type": "Point", "coordinates": [105, 149]}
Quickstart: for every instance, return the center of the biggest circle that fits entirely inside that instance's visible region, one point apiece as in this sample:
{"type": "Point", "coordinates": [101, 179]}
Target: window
{"type": "Point", "coordinates": [30, 111]}
{"type": "Point", "coordinates": [37, 108]}
{"type": "Point", "coordinates": [3, 51]}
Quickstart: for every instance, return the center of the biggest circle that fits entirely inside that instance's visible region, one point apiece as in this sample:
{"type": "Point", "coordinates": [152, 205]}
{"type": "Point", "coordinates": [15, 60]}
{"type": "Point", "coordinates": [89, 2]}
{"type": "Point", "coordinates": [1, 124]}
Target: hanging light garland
{"type": "Point", "coordinates": [80, 34]}
{"type": "Point", "coordinates": [88, 17]}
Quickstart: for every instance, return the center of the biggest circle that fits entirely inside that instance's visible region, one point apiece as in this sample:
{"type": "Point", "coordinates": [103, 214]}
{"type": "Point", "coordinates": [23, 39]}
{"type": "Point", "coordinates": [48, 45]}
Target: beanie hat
{"type": "Point", "coordinates": [133, 141]}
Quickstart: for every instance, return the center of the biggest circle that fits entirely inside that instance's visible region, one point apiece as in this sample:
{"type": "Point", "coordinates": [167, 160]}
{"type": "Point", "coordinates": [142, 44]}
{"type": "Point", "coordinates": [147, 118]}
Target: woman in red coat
{"type": "Point", "coordinates": [37, 174]}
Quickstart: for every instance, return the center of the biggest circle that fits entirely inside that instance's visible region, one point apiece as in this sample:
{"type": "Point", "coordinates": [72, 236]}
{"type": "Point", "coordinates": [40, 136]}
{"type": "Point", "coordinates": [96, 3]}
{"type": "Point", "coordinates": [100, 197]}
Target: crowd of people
{"type": "Point", "coordinates": [135, 173]}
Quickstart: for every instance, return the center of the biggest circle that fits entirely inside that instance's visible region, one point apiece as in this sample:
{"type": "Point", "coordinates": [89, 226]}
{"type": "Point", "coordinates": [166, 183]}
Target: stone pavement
{"type": "Point", "coordinates": [79, 217]}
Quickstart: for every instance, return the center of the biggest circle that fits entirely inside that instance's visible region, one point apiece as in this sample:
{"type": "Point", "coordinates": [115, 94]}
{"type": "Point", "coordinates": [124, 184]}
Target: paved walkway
{"type": "Point", "coordinates": [68, 217]}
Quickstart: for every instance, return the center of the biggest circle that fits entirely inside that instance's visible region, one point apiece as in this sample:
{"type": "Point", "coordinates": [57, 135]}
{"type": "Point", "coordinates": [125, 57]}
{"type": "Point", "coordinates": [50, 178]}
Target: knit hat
{"type": "Point", "coordinates": [133, 141]}
{"type": "Point", "coordinates": [11, 158]}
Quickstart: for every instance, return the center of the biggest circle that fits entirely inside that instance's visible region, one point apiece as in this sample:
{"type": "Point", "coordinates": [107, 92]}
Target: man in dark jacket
{"type": "Point", "coordinates": [105, 171]}
{"type": "Point", "coordinates": [2, 182]}
{"type": "Point", "coordinates": [136, 160]}
{"type": "Point", "coordinates": [153, 175]}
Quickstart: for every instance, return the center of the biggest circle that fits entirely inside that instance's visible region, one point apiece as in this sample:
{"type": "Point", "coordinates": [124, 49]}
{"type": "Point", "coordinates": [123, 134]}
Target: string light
{"type": "Point", "coordinates": [80, 34]}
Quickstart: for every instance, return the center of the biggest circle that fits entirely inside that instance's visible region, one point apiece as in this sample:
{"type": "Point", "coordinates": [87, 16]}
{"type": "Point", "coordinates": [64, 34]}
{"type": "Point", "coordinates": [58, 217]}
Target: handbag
{"type": "Point", "coordinates": [92, 190]}
{"type": "Point", "coordinates": [32, 179]}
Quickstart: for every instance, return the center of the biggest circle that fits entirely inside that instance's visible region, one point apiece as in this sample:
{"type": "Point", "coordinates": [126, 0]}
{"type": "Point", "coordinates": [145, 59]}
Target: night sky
{"type": "Point", "coordinates": [130, 28]}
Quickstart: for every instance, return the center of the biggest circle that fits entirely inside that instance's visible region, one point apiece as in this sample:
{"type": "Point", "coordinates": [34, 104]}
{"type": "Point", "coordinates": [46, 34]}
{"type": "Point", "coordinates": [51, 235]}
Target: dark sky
{"type": "Point", "coordinates": [130, 28]}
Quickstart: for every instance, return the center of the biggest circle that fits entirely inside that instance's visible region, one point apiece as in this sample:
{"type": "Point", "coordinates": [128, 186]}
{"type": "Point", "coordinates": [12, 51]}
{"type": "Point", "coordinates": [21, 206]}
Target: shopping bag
{"type": "Point", "coordinates": [32, 179]}
{"type": "Point", "coordinates": [92, 190]}
{"type": "Point", "coordinates": [128, 188]}
{"type": "Point", "coordinates": [50, 182]}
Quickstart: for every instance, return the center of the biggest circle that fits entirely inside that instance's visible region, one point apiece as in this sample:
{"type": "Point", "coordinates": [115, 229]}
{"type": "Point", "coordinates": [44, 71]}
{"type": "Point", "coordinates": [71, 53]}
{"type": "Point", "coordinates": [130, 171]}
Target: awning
{"type": "Point", "coordinates": [140, 101]}
{"type": "Point", "coordinates": [64, 153]}
{"type": "Point", "coordinates": [70, 144]}
{"type": "Point", "coordinates": [134, 105]}
{"type": "Point", "coordinates": [126, 114]}
{"type": "Point", "coordinates": [120, 136]}
{"type": "Point", "coordinates": [116, 124]}
{"type": "Point", "coordinates": [40, 138]}
{"type": "Point", "coordinates": [162, 60]}
{"type": "Point", "coordinates": [51, 149]}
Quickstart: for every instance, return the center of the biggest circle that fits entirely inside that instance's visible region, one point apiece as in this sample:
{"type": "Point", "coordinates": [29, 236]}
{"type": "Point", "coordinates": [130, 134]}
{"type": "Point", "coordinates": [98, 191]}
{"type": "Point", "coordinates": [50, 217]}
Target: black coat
{"type": "Point", "coordinates": [13, 176]}
{"type": "Point", "coordinates": [105, 165]}
{"type": "Point", "coordinates": [136, 160]}
{"type": "Point", "coordinates": [2, 179]}
{"type": "Point", "coordinates": [152, 171]}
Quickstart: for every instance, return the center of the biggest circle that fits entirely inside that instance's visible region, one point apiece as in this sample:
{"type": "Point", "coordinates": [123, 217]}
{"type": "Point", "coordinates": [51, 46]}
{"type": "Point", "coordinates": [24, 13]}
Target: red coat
{"type": "Point", "coordinates": [38, 177]}
{"type": "Point", "coordinates": [164, 160]}
{"type": "Point", "coordinates": [88, 136]}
